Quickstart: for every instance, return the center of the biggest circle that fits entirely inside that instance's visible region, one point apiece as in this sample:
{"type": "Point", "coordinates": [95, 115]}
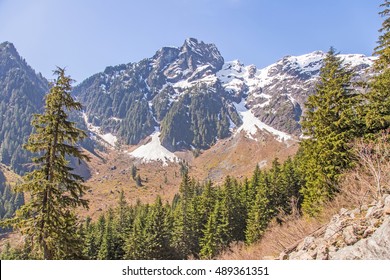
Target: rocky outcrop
{"type": "Point", "coordinates": [351, 235]}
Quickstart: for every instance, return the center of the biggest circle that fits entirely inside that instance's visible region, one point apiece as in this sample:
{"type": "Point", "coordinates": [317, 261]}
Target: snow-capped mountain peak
{"type": "Point", "coordinates": [194, 98]}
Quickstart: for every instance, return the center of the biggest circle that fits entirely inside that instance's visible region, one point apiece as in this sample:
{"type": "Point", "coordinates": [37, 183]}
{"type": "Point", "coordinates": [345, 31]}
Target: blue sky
{"type": "Point", "coordinates": [88, 35]}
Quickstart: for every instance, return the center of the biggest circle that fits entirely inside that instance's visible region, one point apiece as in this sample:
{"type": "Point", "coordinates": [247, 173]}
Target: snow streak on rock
{"type": "Point", "coordinates": [96, 130]}
{"type": "Point", "coordinates": [251, 124]}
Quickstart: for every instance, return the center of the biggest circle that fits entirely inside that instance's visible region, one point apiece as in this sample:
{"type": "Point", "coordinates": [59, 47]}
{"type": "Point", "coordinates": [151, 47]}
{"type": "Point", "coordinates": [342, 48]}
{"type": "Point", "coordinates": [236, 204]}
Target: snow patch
{"type": "Point", "coordinates": [109, 138]}
{"type": "Point", "coordinates": [115, 119]}
{"type": "Point", "coordinates": [251, 124]}
{"type": "Point", "coordinates": [154, 151]}
{"type": "Point", "coordinates": [97, 131]}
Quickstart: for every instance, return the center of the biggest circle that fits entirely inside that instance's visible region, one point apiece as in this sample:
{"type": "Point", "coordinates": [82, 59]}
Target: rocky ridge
{"type": "Point", "coordinates": [192, 98]}
{"type": "Point", "coordinates": [362, 233]}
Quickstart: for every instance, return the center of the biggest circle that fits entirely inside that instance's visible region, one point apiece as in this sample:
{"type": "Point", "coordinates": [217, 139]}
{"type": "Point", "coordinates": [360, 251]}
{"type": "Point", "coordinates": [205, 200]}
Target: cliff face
{"type": "Point", "coordinates": [350, 235]}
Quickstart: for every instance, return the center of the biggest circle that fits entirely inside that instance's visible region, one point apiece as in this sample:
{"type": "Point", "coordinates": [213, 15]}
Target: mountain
{"type": "Point", "coordinates": [21, 95]}
{"type": "Point", "coordinates": [135, 100]}
{"type": "Point", "coordinates": [188, 98]}
{"type": "Point", "coordinates": [276, 94]}
{"type": "Point", "coordinates": [181, 98]}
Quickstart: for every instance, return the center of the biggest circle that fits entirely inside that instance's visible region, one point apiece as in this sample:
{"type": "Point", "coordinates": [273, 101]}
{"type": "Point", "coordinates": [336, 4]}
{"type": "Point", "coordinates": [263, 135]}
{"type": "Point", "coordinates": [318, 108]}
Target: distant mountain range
{"type": "Point", "coordinates": [184, 98]}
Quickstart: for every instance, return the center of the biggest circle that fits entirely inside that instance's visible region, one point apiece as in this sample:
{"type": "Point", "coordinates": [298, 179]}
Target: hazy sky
{"type": "Point", "coordinates": [88, 35]}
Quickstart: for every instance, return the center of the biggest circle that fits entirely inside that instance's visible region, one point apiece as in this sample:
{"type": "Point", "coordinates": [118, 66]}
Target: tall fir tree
{"type": "Point", "coordinates": [377, 105]}
{"type": "Point", "coordinates": [330, 123]}
{"type": "Point", "coordinates": [260, 212]}
{"type": "Point", "coordinates": [212, 240]}
{"type": "Point", "coordinates": [48, 218]}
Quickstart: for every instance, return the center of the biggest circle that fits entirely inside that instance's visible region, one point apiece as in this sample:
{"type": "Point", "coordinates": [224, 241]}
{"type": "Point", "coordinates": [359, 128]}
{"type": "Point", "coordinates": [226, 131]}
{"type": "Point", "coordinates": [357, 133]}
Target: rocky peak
{"type": "Point", "coordinates": [207, 52]}
{"type": "Point", "coordinates": [195, 57]}
{"type": "Point", "coordinates": [9, 48]}
{"type": "Point", "coordinates": [164, 57]}
{"type": "Point", "coordinates": [13, 65]}
{"type": "Point", "coordinates": [9, 56]}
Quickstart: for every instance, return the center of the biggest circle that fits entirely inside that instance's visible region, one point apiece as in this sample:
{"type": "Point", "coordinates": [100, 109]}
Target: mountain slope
{"type": "Point", "coordinates": [130, 100]}
{"type": "Point", "coordinates": [194, 98]}
{"type": "Point", "coordinates": [276, 94]}
{"type": "Point", "coordinates": [21, 95]}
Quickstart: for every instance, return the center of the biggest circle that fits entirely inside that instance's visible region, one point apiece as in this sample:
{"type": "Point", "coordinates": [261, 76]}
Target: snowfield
{"type": "Point", "coordinates": [154, 151]}
{"type": "Point", "coordinates": [251, 124]}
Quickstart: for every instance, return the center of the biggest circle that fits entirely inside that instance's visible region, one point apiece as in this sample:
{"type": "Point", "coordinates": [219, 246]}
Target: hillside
{"type": "Point", "coordinates": [21, 96]}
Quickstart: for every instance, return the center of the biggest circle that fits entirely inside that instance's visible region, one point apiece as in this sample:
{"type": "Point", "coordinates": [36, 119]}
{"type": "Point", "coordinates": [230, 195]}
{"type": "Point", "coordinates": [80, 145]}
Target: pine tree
{"type": "Point", "coordinates": [290, 185]}
{"type": "Point", "coordinates": [260, 212]}
{"type": "Point", "coordinates": [138, 181]}
{"type": "Point", "coordinates": [107, 248]}
{"type": "Point", "coordinates": [377, 107]}
{"type": "Point", "coordinates": [329, 124]}
{"type": "Point", "coordinates": [187, 219]}
{"type": "Point", "coordinates": [48, 218]}
{"type": "Point", "coordinates": [136, 247]}
{"type": "Point", "coordinates": [211, 242]}
{"type": "Point", "coordinates": [157, 234]}
{"type": "Point", "coordinates": [133, 172]}
{"type": "Point", "coordinates": [90, 247]}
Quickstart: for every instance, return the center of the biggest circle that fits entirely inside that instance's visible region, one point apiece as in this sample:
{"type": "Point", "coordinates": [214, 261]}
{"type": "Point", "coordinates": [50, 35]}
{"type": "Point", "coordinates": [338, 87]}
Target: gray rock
{"type": "Point", "coordinates": [322, 252]}
{"type": "Point", "coordinates": [306, 244]}
{"type": "Point", "coordinates": [349, 235]}
{"type": "Point", "coordinates": [386, 209]}
{"type": "Point", "coordinates": [370, 211]}
{"type": "Point", "coordinates": [376, 247]}
{"type": "Point", "coordinates": [386, 200]}
{"type": "Point", "coordinates": [301, 255]}
{"type": "Point", "coordinates": [333, 227]}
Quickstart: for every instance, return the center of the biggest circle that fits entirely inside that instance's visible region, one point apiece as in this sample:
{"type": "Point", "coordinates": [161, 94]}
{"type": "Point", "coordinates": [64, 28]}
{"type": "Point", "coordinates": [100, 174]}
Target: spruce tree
{"type": "Point", "coordinates": [186, 217]}
{"type": "Point", "coordinates": [212, 241]}
{"type": "Point", "coordinates": [136, 245]}
{"type": "Point", "coordinates": [157, 234]}
{"type": "Point", "coordinates": [329, 124]}
{"type": "Point", "coordinates": [377, 105]}
{"type": "Point", "coordinates": [259, 213]}
{"type": "Point", "coordinates": [48, 217]}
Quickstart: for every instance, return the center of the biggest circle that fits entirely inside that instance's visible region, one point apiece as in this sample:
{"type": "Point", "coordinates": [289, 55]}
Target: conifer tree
{"type": "Point", "coordinates": [138, 181]}
{"type": "Point", "coordinates": [136, 247]}
{"type": "Point", "coordinates": [290, 186]}
{"type": "Point", "coordinates": [90, 248]}
{"type": "Point", "coordinates": [107, 248]}
{"type": "Point", "coordinates": [157, 234]}
{"type": "Point", "coordinates": [207, 201]}
{"type": "Point", "coordinates": [329, 125]}
{"type": "Point", "coordinates": [260, 213]}
{"type": "Point", "coordinates": [47, 218]}
{"type": "Point", "coordinates": [187, 217]}
{"type": "Point", "coordinates": [377, 107]}
{"type": "Point", "coordinates": [211, 242]}
{"type": "Point", "coordinates": [133, 172]}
